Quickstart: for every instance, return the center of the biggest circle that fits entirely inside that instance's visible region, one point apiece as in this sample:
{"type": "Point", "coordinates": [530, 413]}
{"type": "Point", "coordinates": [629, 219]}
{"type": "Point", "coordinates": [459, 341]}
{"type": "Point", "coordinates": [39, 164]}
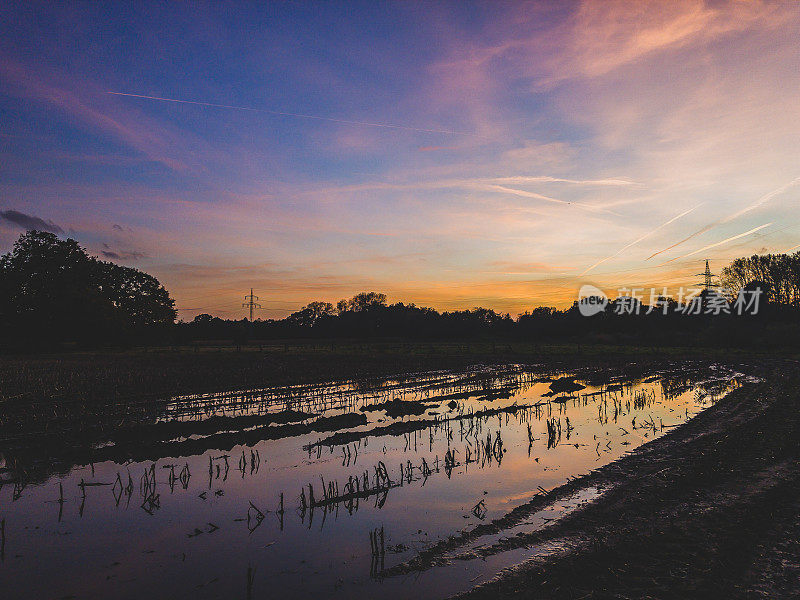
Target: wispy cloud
{"type": "Point", "coordinates": [636, 241]}
{"type": "Point", "coordinates": [760, 202]}
{"type": "Point", "coordinates": [493, 183]}
{"type": "Point", "coordinates": [602, 37]}
{"type": "Point", "coordinates": [134, 130]}
{"type": "Point", "coordinates": [725, 241]}
{"type": "Point", "coordinates": [548, 179]}
{"type": "Point", "coordinates": [535, 196]}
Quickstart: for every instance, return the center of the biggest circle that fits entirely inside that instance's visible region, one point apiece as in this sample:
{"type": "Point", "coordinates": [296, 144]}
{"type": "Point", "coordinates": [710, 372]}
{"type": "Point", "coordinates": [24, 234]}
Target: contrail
{"type": "Point", "coordinates": [725, 241]}
{"type": "Point", "coordinates": [686, 239]}
{"type": "Point", "coordinates": [527, 194]}
{"type": "Point", "coordinates": [548, 179]}
{"type": "Point", "coordinates": [633, 243]}
{"type": "Point", "coordinates": [756, 204]}
{"type": "Point", "coordinates": [298, 115]}
{"type": "Point", "coordinates": [765, 198]}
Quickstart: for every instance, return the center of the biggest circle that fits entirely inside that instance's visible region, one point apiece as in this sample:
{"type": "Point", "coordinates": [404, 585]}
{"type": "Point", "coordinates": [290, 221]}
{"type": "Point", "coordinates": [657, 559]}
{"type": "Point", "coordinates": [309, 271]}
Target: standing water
{"type": "Point", "coordinates": [317, 490]}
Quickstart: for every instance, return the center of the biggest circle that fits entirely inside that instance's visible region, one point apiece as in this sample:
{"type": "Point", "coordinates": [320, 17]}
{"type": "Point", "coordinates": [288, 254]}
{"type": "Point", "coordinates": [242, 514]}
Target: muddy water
{"type": "Point", "coordinates": [209, 524]}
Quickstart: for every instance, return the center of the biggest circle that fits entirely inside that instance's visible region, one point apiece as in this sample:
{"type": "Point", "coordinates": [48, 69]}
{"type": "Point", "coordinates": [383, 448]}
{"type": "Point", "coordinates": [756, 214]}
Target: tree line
{"type": "Point", "coordinates": [53, 292]}
{"type": "Point", "coordinates": [774, 325]}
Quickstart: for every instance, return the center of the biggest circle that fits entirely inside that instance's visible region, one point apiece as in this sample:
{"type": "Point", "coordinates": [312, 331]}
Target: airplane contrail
{"type": "Point", "coordinates": [548, 179]}
{"type": "Point", "coordinates": [756, 204]}
{"type": "Point", "coordinates": [298, 115]}
{"type": "Point", "coordinates": [633, 243]}
{"type": "Point", "coordinates": [686, 239]}
{"type": "Point", "coordinates": [527, 194]}
{"type": "Point", "coordinates": [725, 241]}
{"type": "Point", "coordinates": [765, 198]}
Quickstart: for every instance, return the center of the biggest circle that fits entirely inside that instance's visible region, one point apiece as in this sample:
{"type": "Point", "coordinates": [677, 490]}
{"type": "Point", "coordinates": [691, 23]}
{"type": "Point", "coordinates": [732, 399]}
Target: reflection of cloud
{"type": "Point", "coordinates": [29, 222]}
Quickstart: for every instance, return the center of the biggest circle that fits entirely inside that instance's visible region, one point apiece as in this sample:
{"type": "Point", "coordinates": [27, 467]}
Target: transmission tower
{"type": "Point", "coordinates": [708, 279]}
{"type": "Point", "coordinates": [251, 303]}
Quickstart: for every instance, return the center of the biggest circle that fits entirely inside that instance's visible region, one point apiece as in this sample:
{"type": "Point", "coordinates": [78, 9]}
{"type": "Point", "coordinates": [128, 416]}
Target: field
{"type": "Point", "coordinates": [486, 470]}
{"type": "Point", "coordinates": [101, 376]}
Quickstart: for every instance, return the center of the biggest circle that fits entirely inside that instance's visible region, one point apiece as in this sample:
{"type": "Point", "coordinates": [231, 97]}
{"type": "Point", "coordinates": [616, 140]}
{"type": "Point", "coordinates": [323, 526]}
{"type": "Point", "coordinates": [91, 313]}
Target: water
{"type": "Point", "coordinates": [200, 516]}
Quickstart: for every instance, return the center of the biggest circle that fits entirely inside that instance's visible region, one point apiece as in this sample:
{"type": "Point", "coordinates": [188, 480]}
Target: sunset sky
{"type": "Point", "coordinates": [449, 154]}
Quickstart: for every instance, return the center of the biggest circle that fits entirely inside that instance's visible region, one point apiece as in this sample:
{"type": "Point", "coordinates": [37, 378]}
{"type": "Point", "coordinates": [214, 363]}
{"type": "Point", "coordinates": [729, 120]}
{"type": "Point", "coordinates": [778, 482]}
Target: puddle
{"type": "Point", "coordinates": [308, 507]}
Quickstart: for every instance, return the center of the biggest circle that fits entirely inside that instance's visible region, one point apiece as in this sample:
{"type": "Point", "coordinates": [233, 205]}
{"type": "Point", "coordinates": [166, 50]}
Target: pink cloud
{"type": "Point", "coordinates": [88, 107]}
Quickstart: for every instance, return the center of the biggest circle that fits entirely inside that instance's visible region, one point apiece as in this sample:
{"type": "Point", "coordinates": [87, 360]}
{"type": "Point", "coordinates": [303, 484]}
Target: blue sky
{"type": "Point", "coordinates": [449, 154]}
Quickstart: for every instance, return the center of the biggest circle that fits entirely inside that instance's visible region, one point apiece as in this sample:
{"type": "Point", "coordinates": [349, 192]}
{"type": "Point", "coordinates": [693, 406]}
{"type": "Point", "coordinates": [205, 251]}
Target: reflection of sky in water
{"type": "Point", "coordinates": [123, 551]}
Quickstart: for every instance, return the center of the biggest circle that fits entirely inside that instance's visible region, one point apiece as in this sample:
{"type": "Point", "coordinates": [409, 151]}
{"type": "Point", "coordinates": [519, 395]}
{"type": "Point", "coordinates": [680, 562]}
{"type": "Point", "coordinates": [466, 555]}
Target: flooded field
{"type": "Point", "coordinates": [322, 490]}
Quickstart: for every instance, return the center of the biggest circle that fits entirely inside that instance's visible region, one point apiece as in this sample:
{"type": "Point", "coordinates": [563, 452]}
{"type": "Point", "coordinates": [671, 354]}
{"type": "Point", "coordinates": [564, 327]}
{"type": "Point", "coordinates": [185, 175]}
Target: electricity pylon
{"type": "Point", "coordinates": [251, 304]}
{"type": "Point", "coordinates": [708, 278]}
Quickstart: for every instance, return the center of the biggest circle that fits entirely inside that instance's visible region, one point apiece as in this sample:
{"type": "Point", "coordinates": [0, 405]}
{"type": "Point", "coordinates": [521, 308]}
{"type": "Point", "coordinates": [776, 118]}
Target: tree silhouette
{"type": "Point", "coordinates": [777, 274]}
{"type": "Point", "coordinates": [52, 290]}
{"type": "Point", "coordinates": [309, 315]}
{"type": "Point", "coordinates": [361, 302]}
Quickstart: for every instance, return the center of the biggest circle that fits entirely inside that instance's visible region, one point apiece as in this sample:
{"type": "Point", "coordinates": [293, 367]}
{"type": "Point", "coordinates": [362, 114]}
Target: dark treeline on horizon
{"type": "Point", "coordinates": [775, 325]}
{"type": "Point", "coordinates": [53, 293]}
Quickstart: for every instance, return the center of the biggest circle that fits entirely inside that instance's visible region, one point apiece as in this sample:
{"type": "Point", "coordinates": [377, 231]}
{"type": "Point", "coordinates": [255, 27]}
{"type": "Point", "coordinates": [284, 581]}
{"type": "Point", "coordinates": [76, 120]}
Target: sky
{"type": "Point", "coordinates": [451, 154]}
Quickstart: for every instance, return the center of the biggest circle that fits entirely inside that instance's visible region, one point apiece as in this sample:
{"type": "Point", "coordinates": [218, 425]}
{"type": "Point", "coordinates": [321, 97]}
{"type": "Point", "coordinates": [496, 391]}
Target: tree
{"type": "Point", "coordinates": [309, 315]}
{"type": "Point", "coordinates": [52, 290]}
{"type": "Point", "coordinates": [778, 274]}
{"type": "Point", "coordinates": [138, 295]}
{"type": "Point", "coordinates": [365, 301]}
{"type": "Point", "coordinates": [203, 319]}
